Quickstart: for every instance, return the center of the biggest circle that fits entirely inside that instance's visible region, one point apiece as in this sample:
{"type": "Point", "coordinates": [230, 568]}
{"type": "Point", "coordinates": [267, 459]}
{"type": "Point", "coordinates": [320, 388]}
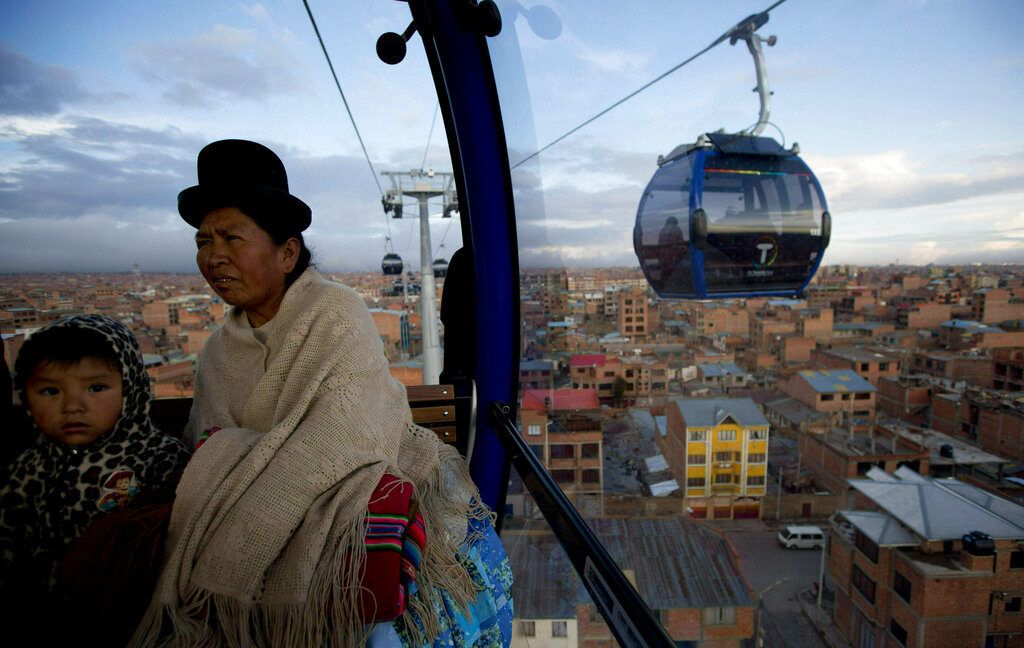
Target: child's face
{"type": "Point", "coordinates": [74, 404]}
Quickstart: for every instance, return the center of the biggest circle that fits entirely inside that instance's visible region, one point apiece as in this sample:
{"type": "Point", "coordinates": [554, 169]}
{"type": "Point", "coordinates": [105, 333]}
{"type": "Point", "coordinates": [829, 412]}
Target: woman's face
{"type": "Point", "coordinates": [243, 264]}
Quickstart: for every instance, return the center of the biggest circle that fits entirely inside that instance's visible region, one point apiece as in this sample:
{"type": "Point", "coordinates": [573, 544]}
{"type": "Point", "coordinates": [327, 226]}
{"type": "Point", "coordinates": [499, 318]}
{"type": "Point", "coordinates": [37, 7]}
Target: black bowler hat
{"type": "Point", "coordinates": [247, 175]}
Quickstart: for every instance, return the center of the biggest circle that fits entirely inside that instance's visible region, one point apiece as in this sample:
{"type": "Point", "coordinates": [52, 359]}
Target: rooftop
{"type": "Point", "coordinates": [832, 381]}
{"type": "Point", "coordinates": [720, 369]}
{"type": "Point", "coordinates": [943, 509]}
{"type": "Point", "coordinates": [857, 354]}
{"type": "Point", "coordinates": [587, 360]}
{"type": "Point", "coordinates": [707, 412]}
{"type": "Point", "coordinates": [560, 399]}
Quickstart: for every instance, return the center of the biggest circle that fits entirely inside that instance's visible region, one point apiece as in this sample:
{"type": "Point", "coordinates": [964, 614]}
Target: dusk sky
{"type": "Point", "coordinates": [907, 110]}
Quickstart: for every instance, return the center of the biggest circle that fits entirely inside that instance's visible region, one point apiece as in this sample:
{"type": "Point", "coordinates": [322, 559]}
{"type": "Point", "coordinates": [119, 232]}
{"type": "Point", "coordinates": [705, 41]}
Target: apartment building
{"type": "Point", "coordinates": [869, 365]}
{"type": "Point", "coordinates": [718, 449]}
{"type": "Point", "coordinates": [563, 427]}
{"type": "Point", "coordinates": [836, 391]}
{"type": "Point", "coordinates": [1008, 369]}
{"type": "Point", "coordinates": [633, 314]}
{"type": "Point", "coordinates": [638, 378]}
{"type": "Point", "coordinates": [926, 562]}
{"type": "Point", "coordinates": [991, 420]}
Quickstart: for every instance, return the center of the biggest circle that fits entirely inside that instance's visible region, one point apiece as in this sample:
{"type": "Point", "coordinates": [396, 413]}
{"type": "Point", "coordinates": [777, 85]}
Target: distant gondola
{"type": "Point", "coordinates": [392, 264]}
{"type": "Point", "coordinates": [732, 215]}
{"type": "Point", "coordinates": [440, 268]}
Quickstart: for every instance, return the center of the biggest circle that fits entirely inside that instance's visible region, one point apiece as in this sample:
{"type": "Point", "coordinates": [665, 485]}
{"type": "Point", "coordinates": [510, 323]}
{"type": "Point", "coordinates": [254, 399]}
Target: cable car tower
{"type": "Point", "coordinates": [422, 186]}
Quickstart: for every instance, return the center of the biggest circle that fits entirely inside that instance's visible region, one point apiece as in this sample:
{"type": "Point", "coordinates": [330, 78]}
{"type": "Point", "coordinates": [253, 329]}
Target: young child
{"type": "Point", "coordinates": [83, 381]}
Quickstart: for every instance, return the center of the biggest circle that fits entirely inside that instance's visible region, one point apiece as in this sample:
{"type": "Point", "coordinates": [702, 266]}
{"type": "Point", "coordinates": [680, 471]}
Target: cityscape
{"type": "Point", "coordinates": [877, 422]}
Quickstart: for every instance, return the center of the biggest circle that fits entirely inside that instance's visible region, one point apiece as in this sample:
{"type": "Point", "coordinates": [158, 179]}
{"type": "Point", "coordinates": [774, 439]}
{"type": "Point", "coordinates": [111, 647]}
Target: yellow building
{"type": "Point", "coordinates": [718, 450]}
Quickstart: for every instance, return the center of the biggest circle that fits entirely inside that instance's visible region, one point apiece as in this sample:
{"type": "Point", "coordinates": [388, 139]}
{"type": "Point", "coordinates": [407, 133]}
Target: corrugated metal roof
{"type": "Point", "coordinates": [664, 488]}
{"type": "Point", "coordinates": [833, 381]}
{"type": "Point", "coordinates": [884, 530]}
{"type": "Point", "coordinates": [942, 510]}
{"type": "Point", "coordinates": [706, 412]}
{"type": "Point", "coordinates": [534, 365]}
{"type": "Point", "coordinates": [656, 463]}
{"type": "Point", "coordinates": [678, 563]}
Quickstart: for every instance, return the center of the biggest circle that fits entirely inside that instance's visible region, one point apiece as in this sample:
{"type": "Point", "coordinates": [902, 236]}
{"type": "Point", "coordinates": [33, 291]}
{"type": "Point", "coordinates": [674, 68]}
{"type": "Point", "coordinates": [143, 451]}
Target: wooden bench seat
{"type": "Point", "coordinates": [433, 407]}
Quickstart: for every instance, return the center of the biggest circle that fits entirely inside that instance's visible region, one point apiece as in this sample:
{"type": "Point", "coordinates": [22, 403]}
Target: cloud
{"type": "Point", "coordinates": [33, 89]}
{"type": "Point", "coordinates": [895, 179]}
{"type": "Point", "coordinates": [87, 165]}
{"type": "Point", "coordinates": [221, 65]}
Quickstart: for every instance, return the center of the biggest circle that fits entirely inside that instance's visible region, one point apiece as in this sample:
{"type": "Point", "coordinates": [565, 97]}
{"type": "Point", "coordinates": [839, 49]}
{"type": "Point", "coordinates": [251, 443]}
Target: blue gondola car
{"type": "Point", "coordinates": [732, 215]}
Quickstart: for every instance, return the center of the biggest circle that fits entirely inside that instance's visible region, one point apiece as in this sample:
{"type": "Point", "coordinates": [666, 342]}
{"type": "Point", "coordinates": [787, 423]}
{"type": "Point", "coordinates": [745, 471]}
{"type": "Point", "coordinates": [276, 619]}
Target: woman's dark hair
{"type": "Point", "coordinates": [280, 230]}
{"type": "Point", "coordinates": [62, 346]}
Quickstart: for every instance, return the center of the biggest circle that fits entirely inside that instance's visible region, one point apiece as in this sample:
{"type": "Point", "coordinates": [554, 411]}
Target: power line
{"type": "Point", "coordinates": [661, 76]}
{"type": "Point", "coordinates": [373, 172]}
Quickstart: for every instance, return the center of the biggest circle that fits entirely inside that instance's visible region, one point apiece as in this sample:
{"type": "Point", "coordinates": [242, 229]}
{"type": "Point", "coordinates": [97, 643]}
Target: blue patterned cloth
{"type": "Point", "coordinates": [489, 622]}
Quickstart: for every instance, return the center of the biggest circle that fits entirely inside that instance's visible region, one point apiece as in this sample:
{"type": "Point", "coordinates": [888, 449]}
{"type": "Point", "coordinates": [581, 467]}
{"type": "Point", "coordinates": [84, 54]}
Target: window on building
{"type": "Point", "coordinates": [528, 628]}
{"type": "Point", "coordinates": [533, 430]}
{"type": "Point", "coordinates": [609, 374]}
{"type": "Point", "coordinates": [1012, 604]}
{"type": "Point", "coordinates": [756, 480]}
{"type": "Point", "coordinates": [695, 482]}
{"type": "Point", "coordinates": [901, 586]}
{"type": "Point", "coordinates": [564, 476]}
{"type": "Point", "coordinates": [720, 616]}
{"type": "Point", "coordinates": [590, 476]}
{"type": "Point", "coordinates": [559, 629]}
{"type": "Point", "coordinates": [727, 435]}
{"type": "Point", "coordinates": [846, 397]}
{"type": "Point", "coordinates": [866, 546]}
{"type": "Point", "coordinates": [562, 451]}
{"type": "Point", "coordinates": [538, 450]}
{"type": "Point", "coordinates": [862, 396]}
{"type": "Point", "coordinates": [883, 366]}
{"type": "Point", "coordinates": [723, 456]}
{"type": "Point", "coordinates": [697, 435]}
{"type": "Point", "coordinates": [756, 457]}
{"type": "Point", "coordinates": [723, 478]}
{"type": "Point", "coordinates": [758, 435]}
{"type": "Point", "coordinates": [1017, 560]}
{"type": "Point", "coordinates": [590, 451]}
{"type": "Point", "coordinates": [864, 585]}
{"type": "Point", "coordinates": [604, 386]}
{"type": "Point", "coordinates": [826, 397]}
{"type": "Point", "coordinates": [863, 366]}
{"type": "Point", "coordinates": [695, 459]}
{"type": "Point", "coordinates": [898, 633]}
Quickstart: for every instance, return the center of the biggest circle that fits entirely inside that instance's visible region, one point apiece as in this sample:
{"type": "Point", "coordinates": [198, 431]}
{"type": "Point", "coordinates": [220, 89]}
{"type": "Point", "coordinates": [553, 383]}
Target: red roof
{"type": "Point", "coordinates": [561, 399]}
{"type": "Point", "coordinates": [587, 360]}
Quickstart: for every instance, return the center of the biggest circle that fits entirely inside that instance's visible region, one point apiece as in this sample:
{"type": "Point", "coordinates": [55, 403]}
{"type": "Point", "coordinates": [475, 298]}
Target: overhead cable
{"type": "Point", "coordinates": [661, 76]}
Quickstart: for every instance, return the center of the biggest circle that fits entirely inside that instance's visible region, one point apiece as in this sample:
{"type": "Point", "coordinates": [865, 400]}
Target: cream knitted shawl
{"type": "Point", "coordinates": [266, 538]}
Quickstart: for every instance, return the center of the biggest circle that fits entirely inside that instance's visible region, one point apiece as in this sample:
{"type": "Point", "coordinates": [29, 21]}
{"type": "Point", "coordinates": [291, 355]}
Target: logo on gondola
{"type": "Point", "coordinates": [767, 252]}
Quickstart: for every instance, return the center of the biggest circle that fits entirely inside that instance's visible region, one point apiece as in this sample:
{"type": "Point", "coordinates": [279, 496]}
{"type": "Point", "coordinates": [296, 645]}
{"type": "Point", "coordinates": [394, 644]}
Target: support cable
{"type": "Point", "coordinates": [430, 135]}
{"type": "Point", "coordinates": [337, 84]}
{"type": "Point", "coordinates": [661, 76]}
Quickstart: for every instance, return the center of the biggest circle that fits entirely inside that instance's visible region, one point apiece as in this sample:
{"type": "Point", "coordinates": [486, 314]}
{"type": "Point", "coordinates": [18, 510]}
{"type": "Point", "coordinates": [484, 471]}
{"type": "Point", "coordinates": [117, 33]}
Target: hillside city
{"type": "Point", "coordinates": [885, 408]}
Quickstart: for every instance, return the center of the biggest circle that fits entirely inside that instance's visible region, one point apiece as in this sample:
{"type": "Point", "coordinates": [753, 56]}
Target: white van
{"type": "Point", "coordinates": [801, 537]}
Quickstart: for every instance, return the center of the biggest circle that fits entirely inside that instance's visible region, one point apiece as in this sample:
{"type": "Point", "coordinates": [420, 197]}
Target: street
{"type": "Point", "coordinates": [764, 563]}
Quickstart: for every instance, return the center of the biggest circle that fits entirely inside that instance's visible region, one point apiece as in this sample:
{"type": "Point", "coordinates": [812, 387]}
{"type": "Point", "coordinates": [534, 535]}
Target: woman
{"type": "Point", "coordinates": [304, 437]}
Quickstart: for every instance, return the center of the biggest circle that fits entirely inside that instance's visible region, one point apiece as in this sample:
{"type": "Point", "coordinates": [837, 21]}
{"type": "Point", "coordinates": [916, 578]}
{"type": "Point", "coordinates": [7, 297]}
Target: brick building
{"type": "Point", "coordinates": [965, 334]}
{"type": "Point", "coordinates": [869, 365]}
{"type": "Point", "coordinates": [970, 368]}
{"type": "Point", "coordinates": [641, 378]}
{"type": "Point", "coordinates": [563, 426]}
{"type": "Point", "coordinates": [711, 318]}
{"type": "Point", "coordinates": [992, 421]}
{"type": "Point", "coordinates": [835, 457]}
{"type": "Point", "coordinates": [393, 328]}
{"type": "Point", "coordinates": [906, 576]}
{"type": "Point", "coordinates": [837, 391]}
{"type": "Point", "coordinates": [536, 374]}
{"type": "Point", "coordinates": [633, 316]}
{"type": "Point", "coordinates": [688, 574]}
{"type": "Point", "coordinates": [995, 305]}
{"type": "Point", "coordinates": [922, 316]}
{"type": "Point", "coordinates": [906, 398]}
{"type": "Point", "coordinates": [1008, 369]}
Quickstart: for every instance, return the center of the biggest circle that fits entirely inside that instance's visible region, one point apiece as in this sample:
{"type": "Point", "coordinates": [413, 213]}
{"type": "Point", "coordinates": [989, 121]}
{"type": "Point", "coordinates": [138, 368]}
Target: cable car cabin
{"type": "Point", "coordinates": [391, 264]}
{"type": "Point", "coordinates": [440, 268]}
{"type": "Point", "coordinates": [732, 215]}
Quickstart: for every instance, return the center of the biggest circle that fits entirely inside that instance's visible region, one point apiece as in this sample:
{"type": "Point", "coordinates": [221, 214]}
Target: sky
{"type": "Point", "coordinates": [906, 110]}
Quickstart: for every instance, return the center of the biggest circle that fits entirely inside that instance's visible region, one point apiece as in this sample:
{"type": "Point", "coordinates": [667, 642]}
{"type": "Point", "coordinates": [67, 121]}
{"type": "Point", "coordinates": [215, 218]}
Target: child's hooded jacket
{"type": "Point", "coordinates": [55, 490]}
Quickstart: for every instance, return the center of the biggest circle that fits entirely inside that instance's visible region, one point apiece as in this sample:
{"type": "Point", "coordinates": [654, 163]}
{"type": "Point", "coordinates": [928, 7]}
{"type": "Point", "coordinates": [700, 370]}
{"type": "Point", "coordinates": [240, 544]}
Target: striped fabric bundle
{"type": "Point", "coordinates": [395, 540]}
